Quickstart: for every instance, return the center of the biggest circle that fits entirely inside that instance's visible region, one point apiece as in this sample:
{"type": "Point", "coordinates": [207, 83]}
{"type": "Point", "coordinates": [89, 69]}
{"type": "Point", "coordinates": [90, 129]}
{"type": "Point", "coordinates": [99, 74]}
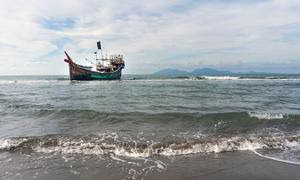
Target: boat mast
{"type": "Point", "coordinates": [99, 48]}
{"type": "Point", "coordinates": [96, 55]}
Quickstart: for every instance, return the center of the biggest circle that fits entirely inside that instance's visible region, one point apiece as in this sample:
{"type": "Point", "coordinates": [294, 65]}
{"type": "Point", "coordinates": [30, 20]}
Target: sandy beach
{"type": "Point", "coordinates": [229, 165]}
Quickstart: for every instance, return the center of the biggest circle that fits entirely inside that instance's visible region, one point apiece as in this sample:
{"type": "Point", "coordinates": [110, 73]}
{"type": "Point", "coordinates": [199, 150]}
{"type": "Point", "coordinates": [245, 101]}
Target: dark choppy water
{"type": "Point", "coordinates": [143, 123]}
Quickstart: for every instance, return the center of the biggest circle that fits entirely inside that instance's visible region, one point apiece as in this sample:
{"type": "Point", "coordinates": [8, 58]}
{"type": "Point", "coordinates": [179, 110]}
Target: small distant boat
{"type": "Point", "coordinates": [105, 68]}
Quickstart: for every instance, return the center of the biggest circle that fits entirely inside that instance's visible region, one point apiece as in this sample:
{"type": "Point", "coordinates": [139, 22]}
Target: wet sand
{"type": "Point", "coordinates": [237, 165]}
{"type": "Point", "coordinates": [230, 165]}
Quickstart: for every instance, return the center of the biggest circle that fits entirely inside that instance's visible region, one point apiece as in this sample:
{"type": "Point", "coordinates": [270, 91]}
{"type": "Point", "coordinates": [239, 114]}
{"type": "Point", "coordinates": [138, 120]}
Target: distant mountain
{"type": "Point", "coordinates": [170, 71]}
{"type": "Point", "coordinates": [199, 71]}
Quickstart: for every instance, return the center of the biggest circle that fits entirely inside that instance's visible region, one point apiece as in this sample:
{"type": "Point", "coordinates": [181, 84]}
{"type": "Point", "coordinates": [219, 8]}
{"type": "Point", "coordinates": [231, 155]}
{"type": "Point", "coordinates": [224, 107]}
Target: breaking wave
{"type": "Point", "coordinates": [216, 78]}
{"type": "Point", "coordinates": [106, 144]}
{"type": "Point", "coordinates": [41, 110]}
{"type": "Point", "coordinates": [212, 77]}
{"type": "Point", "coordinates": [267, 116]}
{"type": "Point", "coordinates": [237, 78]}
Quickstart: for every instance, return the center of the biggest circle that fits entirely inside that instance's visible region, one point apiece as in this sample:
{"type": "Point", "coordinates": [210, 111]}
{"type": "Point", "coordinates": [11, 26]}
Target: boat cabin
{"type": "Point", "coordinates": [109, 64]}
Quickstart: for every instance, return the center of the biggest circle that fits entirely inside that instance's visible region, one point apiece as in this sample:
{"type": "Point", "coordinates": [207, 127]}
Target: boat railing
{"type": "Point", "coordinates": [112, 57]}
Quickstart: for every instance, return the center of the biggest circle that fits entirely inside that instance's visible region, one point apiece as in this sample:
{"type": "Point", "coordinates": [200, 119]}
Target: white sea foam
{"type": "Point", "coordinates": [266, 115]}
{"type": "Point", "coordinates": [220, 77]}
{"type": "Point", "coordinates": [8, 143]}
{"type": "Point", "coordinates": [241, 78]}
{"type": "Point", "coordinates": [276, 159]}
{"type": "Point", "coordinates": [119, 150]}
{"type": "Point", "coordinates": [16, 82]}
{"type": "Point", "coordinates": [189, 147]}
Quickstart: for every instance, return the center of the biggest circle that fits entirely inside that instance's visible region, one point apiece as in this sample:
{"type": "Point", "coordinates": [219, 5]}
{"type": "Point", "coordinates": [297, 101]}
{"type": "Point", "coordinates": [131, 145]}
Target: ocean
{"type": "Point", "coordinates": [150, 127]}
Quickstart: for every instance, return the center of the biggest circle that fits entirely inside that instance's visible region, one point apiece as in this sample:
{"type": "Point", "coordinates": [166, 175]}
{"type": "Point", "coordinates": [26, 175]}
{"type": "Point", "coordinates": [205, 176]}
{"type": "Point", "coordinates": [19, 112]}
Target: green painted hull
{"type": "Point", "coordinates": [78, 73]}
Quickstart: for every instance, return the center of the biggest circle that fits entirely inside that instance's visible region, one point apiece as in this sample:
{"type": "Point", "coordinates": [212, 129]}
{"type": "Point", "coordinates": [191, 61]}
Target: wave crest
{"type": "Point", "coordinates": [267, 116]}
{"type": "Point", "coordinates": [107, 144]}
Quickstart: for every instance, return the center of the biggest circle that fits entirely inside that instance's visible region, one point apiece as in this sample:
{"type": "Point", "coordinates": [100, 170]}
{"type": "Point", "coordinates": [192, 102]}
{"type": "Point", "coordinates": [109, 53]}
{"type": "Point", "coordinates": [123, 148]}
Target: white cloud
{"type": "Point", "coordinates": [152, 35]}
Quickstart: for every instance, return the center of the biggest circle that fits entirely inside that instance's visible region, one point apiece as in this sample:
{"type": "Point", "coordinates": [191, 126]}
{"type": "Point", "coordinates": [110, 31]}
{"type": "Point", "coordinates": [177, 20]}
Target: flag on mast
{"type": "Point", "coordinates": [99, 45]}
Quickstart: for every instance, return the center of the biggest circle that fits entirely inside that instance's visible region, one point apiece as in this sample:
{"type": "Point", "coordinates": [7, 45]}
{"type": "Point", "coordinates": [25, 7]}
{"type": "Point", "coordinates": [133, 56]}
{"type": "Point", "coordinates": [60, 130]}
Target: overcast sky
{"type": "Point", "coordinates": [237, 35]}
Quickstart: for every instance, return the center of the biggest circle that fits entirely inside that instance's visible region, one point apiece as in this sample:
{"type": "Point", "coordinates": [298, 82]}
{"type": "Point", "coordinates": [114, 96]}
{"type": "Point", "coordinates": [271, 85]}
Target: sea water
{"type": "Point", "coordinates": [143, 124]}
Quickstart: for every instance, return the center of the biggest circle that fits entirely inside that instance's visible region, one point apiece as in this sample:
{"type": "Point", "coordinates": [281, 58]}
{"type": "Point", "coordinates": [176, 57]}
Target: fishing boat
{"type": "Point", "coordinates": [105, 68]}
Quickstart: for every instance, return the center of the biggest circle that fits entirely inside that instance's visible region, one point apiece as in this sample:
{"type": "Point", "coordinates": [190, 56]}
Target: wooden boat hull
{"type": "Point", "coordinates": [78, 72]}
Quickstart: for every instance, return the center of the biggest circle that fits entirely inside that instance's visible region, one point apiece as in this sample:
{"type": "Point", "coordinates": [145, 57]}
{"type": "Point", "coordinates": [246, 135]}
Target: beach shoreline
{"type": "Point", "coordinates": [228, 165]}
